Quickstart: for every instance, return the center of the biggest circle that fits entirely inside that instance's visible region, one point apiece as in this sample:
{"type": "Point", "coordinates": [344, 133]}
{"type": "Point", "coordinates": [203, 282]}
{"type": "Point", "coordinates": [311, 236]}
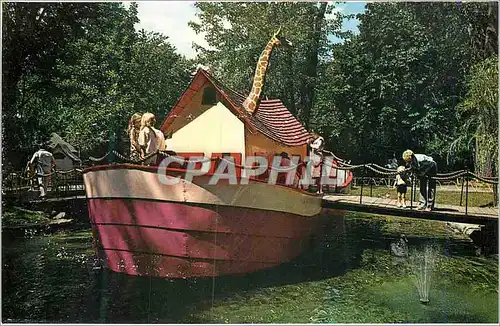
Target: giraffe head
{"type": "Point", "coordinates": [252, 101]}
{"type": "Point", "coordinates": [280, 40]}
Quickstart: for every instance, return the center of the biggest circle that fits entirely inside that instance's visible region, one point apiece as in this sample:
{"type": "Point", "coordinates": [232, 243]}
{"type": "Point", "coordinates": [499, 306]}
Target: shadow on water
{"type": "Point", "coordinates": [56, 278]}
{"type": "Point", "coordinates": [143, 299]}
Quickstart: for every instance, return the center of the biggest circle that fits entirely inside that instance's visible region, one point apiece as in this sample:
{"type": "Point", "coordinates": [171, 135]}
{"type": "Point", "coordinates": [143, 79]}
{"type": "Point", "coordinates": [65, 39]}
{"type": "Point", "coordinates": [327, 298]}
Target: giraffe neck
{"type": "Point", "coordinates": [252, 100]}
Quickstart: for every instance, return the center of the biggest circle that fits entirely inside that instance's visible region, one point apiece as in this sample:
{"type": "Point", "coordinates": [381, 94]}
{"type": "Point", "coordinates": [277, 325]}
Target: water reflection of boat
{"type": "Point", "coordinates": [143, 226]}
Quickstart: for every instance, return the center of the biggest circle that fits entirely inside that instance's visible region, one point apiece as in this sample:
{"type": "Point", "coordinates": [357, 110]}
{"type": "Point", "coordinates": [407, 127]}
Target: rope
{"type": "Point", "coordinates": [380, 172]}
{"type": "Point", "coordinates": [45, 174]}
{"type": "Point", "coordinates": [449, 178]}
{"type": "Point", "coordinates": [183, 160]}
{"type": "Point", "coordinates": [336, 157]}
{"type": "Point", "coordinates": [489, 178]}
{"type": "Point", "coordinates": [349, 167]}
{"type": "Point", "coordinates": [483, 179]}
{"type": "Point", "coordinates": [342, 165]}
{"type": "Point", "coordinates": [450, 173]}
{"type": "Point", "coordinates": [384, 168]}
{"type": "Point", "coordinates": [67, 171]}
{"type": "Point", "coordinates": [93, 159]}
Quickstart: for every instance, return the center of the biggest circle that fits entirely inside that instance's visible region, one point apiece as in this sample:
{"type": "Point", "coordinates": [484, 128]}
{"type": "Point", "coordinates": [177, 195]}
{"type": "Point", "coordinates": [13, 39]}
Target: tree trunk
{"type": "Point", "coordinates": [491, 33]}
{"type": "Point", "coordinates": [483, 164]}
{"type": "Point", "coordinates": [308, 88]}
{"type": "Point", "coordinates": [290, 86]}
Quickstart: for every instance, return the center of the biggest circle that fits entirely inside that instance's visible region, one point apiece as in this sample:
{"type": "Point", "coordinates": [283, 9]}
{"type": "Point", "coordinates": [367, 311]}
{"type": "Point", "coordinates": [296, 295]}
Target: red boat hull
{"type": "Point", "coordinates": [140, 235]}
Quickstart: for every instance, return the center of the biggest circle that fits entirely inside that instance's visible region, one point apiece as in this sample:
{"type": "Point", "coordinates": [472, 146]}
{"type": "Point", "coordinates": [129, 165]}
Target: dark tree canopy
{"type": "Point", "coordinates": [81, 70]}
{"type": "Point", "coordinates": [417, 75]}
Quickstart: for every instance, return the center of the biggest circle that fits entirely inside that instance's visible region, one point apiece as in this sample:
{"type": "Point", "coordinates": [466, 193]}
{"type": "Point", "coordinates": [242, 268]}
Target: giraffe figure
{"type": "Point", "coordinates": [251, 102]}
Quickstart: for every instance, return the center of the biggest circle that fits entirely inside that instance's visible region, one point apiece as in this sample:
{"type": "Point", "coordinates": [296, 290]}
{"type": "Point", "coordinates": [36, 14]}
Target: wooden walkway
{"type": "Point", "coordinates": [375, 205]}
{"type": "Point", "coordinates": [448, 213]}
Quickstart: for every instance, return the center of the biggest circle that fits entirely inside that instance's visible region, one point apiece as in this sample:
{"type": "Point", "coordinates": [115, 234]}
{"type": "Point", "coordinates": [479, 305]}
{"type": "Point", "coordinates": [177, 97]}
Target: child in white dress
{"type": "Point", "coordinates": [401, 185]}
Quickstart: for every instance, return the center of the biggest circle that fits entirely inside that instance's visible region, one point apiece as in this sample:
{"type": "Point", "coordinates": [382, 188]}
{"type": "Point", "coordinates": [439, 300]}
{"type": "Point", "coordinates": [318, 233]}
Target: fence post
{"type": "Point", "coordinates": [467, 192]}
{"type": "Point", "coordinates": [372, 180]}
{"type": "Point", "coordinates": [462, 190]}
{"type": "Point", "coordinates": [411, 190]}
{"type": "Point", "coordinates": [362, 182]}
{"type": "Point", "coordinates": [495, 193]}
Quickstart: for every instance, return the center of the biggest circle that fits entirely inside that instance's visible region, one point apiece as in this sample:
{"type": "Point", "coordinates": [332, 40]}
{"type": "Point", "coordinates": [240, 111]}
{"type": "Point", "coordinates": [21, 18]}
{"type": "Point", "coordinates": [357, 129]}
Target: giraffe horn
{"type": "Point", "coordinates": [278, 31]}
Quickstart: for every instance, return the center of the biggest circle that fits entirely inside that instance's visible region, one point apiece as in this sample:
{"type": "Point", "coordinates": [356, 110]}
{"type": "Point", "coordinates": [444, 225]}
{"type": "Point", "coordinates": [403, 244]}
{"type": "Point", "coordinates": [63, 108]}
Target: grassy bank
{"type": "Point", "coordinates": [16, 216]}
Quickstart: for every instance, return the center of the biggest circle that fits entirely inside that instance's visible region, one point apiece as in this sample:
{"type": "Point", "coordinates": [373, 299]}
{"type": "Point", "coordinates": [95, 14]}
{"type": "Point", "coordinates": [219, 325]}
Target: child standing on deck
{"type": "Point", "coordinates": [401, 185]}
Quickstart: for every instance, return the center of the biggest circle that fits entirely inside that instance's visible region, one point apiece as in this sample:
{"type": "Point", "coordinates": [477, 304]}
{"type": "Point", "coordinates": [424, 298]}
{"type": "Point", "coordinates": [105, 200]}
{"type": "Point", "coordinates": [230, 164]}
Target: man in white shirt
{"type": "Point", "coordinates": [42, 163]}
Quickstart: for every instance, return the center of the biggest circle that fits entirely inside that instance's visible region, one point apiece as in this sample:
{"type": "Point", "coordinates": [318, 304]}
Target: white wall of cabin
{"type": "Point", "coordinates": [217, 130]}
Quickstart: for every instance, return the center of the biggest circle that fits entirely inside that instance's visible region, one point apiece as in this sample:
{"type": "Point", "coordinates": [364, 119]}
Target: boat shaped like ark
{"type": "Point", "coordinates": [192, 228]}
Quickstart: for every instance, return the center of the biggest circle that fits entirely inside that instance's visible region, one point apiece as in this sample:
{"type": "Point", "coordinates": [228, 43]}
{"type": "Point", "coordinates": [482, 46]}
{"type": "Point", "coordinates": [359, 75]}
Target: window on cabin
{"type": "Point", "coordinates": [209, 96]}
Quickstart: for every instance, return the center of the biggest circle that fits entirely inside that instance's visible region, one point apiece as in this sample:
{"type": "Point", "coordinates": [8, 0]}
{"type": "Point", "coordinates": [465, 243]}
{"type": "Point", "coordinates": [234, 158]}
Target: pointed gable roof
{"type": "Point", "coordinates": [67, 148]}
{"type": "Point", "coordinates": [271, 118]}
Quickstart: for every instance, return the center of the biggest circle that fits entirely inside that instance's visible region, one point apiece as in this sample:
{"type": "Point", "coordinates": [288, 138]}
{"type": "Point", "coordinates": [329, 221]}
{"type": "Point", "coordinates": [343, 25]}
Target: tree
{"type": "Point", "coordinates": [396, 85]}
{"type": "Point", "coordinates": [149, 77]}
{"type": "Point", "coordinates": [157, 74]}
{"type": "Point", "coordinates": [38, 41]}
{"type": "Point", "coordinates": [86, 84]}
{"type": "Point", "coordinates": [478, 116]}
{"type": "Point", "coordinates": [238, 32]}
{"type": "Point", "coordinates": [90, 81]}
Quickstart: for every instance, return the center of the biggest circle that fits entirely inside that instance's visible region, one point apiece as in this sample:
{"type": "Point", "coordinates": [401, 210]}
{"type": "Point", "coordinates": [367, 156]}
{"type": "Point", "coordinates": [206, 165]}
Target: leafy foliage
{"type": "Point", "coordinates": [238, 32]}
{"type": "Point", "coordinates": [478, 115]}
{"type": "Point", "coordinates": [396, 85]}
{"type": "Point", "coordinates": [81, 70]}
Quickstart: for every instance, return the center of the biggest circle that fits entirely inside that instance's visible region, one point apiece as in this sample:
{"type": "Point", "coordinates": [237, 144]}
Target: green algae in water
{"type": "Point", "coordinates": [349, 280]}
{"type": "Point", "coordinates": [448, 303]}
{"type": "Point", "coordinates": [373, 296]}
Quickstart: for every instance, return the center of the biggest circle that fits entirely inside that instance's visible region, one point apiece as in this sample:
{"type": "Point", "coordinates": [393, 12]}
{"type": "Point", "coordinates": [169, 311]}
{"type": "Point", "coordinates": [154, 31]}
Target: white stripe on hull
{"type": "Point", "coordinates": [135, 183]}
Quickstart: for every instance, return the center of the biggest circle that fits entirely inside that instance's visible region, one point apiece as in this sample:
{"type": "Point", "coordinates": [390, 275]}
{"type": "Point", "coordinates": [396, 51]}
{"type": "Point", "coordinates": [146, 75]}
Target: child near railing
{"type": "Point", "coordinates": [401, 184]}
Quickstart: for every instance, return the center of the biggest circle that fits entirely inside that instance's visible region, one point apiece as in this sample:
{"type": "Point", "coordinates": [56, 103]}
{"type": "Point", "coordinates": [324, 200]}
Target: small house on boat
{"type": "Point", "coordinates": [213, 120]}
{"type": "Point", "coordinates": [209, 118]}
{"type": "Point", "coordinates": [65, 154]}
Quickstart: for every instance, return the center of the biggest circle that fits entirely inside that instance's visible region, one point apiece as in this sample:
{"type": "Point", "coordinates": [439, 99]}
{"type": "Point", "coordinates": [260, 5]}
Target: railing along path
{"type": "Point", "coordinates": [66, 181]}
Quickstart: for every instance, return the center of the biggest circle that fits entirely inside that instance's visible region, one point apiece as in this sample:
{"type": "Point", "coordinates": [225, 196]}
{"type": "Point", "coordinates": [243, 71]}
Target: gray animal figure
{"type": "Point", "coordinates": [400, 248]}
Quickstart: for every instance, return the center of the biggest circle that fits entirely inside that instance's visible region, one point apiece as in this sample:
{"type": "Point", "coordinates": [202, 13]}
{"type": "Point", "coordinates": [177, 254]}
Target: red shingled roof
{"type": "Point", "coordinates": [271, 118]}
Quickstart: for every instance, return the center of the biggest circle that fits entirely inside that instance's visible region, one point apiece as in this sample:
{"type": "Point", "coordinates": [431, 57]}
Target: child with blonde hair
{"type": "Point", "coordinates": [150, 138]}
{"type": "Point", "coordinates": [134, 126]}
{"type": "Point", "coordinates": [401, 185]}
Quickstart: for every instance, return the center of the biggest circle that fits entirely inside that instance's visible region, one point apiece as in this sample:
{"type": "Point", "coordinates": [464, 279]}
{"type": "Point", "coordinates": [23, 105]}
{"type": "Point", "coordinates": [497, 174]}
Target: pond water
{"type": "Point", "coordinates": [348, 279]}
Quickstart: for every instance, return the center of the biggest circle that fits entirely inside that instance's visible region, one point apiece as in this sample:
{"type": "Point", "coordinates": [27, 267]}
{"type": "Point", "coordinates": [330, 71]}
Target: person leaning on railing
{"type": "Point", "coordinates": [425, 168]}
{"type": "Point", "coordinates": [317, 144]}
